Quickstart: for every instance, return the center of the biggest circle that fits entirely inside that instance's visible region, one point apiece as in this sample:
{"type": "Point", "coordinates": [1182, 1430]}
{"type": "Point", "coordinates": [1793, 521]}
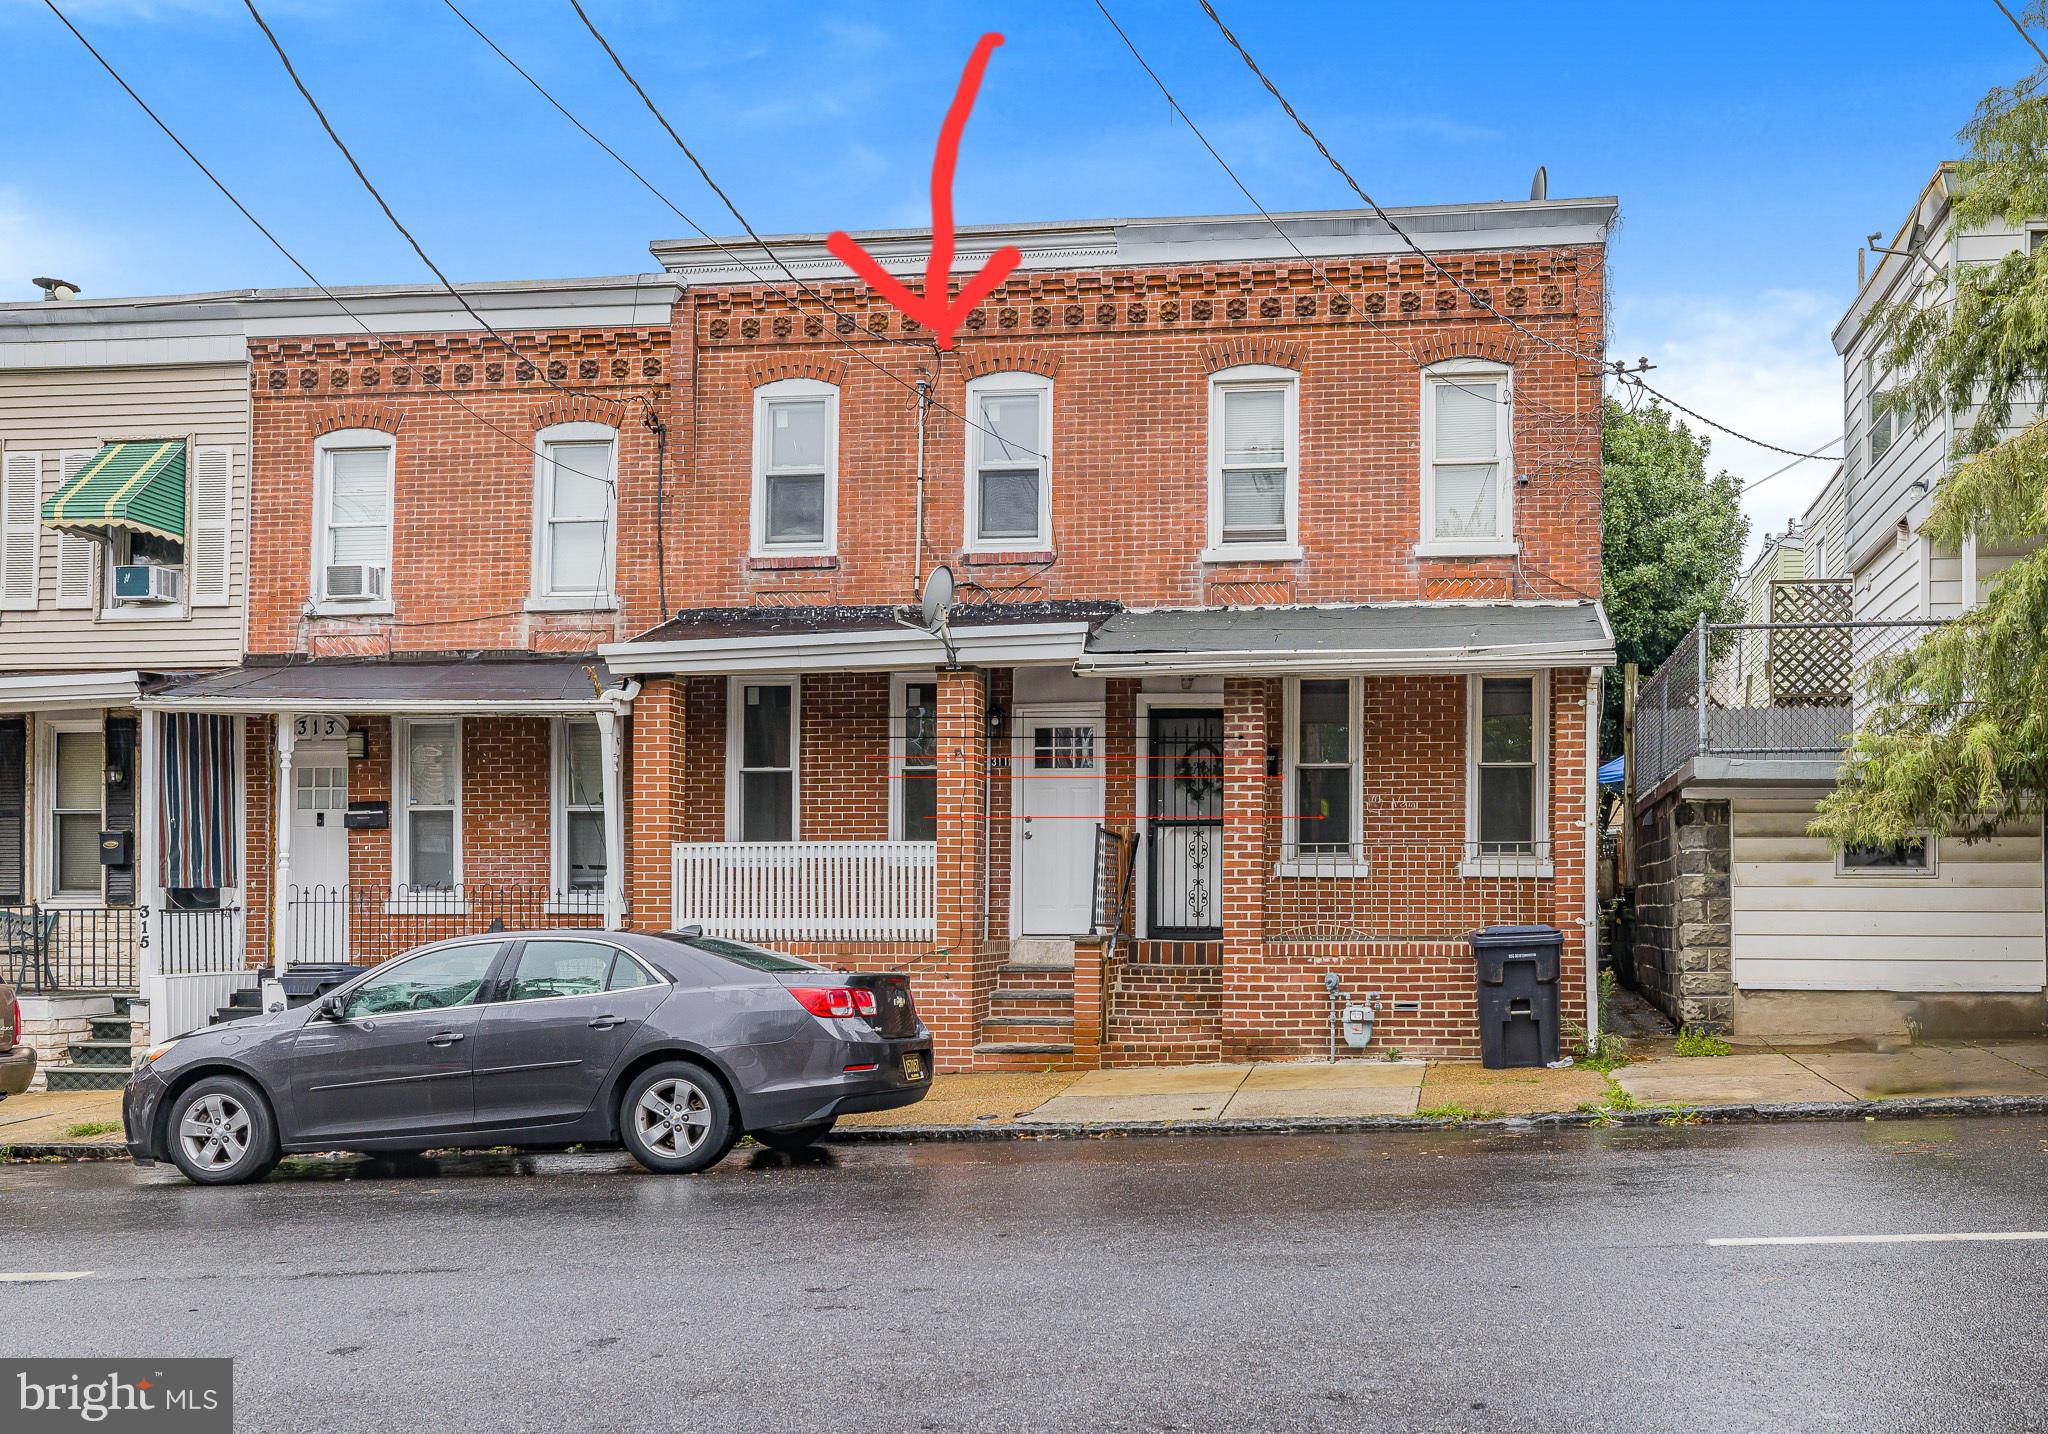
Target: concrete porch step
{"type": "Point", "coordinates": [86, 1077]}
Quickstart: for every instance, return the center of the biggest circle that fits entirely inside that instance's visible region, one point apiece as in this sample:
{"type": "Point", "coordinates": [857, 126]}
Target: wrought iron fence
{"type": "Point", "coordinates": [361, 925]}
{"type": "Point", "coordinates": [199, 942]}
{"type": "Point", "coordinates": [60, 948]}
{"type": "Point", "coordinates": [1774, 689]}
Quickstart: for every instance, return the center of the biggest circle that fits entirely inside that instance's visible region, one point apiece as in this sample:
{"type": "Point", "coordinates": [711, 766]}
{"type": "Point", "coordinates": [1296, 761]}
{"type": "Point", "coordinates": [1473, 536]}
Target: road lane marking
{"type": "Point", "coordinates": [40, 1277]}
{"type": "Point", "coordinates": [1883, 1239]}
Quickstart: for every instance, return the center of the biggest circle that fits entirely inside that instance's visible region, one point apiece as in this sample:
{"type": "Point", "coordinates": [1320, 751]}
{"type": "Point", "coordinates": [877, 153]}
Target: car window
{"type": "Point", "coordinates": [627, 973]}
{"type": "Point", "coordinates": [758, 958]}
{"type": "Point", "coordinates": [431, 981]}
{"type": "Point", "coordinates": [560, 968]}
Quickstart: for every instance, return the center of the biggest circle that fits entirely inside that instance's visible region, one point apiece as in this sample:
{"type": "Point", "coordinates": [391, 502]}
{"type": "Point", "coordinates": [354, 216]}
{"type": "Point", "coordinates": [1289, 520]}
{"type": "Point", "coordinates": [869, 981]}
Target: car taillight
{"type": "Point", "coordinates": [836, 1000]}
{"type": "Point", "coordinates": [13, 1021]}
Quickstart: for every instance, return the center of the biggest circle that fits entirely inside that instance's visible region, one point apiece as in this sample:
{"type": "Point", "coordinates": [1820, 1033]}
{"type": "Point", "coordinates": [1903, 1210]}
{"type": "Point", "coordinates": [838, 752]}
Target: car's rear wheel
{"type": "Point", "coordinates": [789, 1139]}
{"type": "Point", "coordinates": [675, 1119]}
{"type": "Point", "coordinates": [222, 1132]}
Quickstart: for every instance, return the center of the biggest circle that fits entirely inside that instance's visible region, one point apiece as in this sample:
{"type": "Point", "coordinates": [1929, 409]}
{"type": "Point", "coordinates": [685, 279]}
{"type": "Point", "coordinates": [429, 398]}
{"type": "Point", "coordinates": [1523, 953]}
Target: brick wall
{"type": "Point", "coordinates": [463, 482]}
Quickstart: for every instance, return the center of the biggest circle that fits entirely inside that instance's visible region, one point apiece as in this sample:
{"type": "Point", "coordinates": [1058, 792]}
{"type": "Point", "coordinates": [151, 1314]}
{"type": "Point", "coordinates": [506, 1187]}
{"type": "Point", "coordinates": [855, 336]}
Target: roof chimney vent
{"type": "Point", "coordinates": [1539, 187]}
{"type": "Point", "coordinates": [56, 288]}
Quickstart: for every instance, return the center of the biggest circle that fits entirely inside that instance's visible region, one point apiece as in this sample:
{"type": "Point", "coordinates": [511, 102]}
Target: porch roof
{"type": "Point", "coordinates": [1362, 637]}
{"type": "Point", "coordinates": [842, 637]}
{"type": "Point", "coordinates": [510, 686]}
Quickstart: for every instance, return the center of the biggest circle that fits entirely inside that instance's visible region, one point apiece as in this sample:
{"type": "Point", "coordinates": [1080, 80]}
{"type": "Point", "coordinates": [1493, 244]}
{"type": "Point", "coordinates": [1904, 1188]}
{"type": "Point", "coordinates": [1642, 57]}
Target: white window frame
{"type": "Point", "coordinates": [735, 700]}
{"type": "Point", "coordinates": [1007, 384]}
{"type": "Point", "coordinates": [115, 553]}
{"type": "Point", "coordinates": [45, 799]}
{"type": "Point", "coordinates": [765, 398]}
{"type": "Point", "coordinates": [561, 900]}
{"type": "Point", "coordinates": [1503, 542]}
{"type": "Point", "coordinates": [899, 713]}
{"type": "Point", "coordinates": [1535, 864]}
{"type": "Point", "coordinates": [543, 598]}
{"type": "Point", "coordinates": [401, 820]}
{"type": "Point", "coordinates": [1893, 873]}
{"type": "Point", "coordinates": [327, 444]}
{"type": "Point", "coordinates": [1254, 376]}
{"type": "Point", "coordinates": [1293, 862]}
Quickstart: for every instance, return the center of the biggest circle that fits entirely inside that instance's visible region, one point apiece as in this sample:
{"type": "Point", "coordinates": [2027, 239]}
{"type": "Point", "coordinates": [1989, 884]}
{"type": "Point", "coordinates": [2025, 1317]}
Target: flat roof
{"type": "Point", "coordinates": [478, 683]}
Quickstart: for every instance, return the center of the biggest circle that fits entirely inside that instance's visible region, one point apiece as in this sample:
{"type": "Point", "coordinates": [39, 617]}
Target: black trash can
{"type": "Point", "coordinates": [1517, 970]}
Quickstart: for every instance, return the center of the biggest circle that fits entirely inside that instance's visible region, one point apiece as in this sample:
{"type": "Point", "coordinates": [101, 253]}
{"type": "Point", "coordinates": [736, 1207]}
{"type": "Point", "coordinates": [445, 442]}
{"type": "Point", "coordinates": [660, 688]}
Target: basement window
{"type": "Point", "coordinates": [1907, 858]}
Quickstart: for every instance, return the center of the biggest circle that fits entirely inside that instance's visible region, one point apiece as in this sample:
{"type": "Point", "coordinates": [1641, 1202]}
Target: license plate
{"type": "Point", "coordinates": [913, 1066]}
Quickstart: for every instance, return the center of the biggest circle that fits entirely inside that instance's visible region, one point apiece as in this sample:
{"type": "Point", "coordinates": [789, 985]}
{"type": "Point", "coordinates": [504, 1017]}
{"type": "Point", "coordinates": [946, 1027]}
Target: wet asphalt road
{"type": "Point", "coordinates": [1410, 1282]}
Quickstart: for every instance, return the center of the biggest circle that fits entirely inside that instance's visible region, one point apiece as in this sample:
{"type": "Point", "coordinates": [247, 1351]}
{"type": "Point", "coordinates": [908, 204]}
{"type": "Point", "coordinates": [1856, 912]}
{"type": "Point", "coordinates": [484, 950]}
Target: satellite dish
{"type": "Point", "coordinates": [938, 598]}
{"type": "Point", "coordinates": [1539, 187]}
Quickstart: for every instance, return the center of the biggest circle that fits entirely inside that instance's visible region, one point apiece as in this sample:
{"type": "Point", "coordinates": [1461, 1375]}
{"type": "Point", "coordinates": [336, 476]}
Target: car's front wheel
{"type": "Point", "coordinates": [790, 1139]}
{"type": "Point", "coordinates": [675, 1119]}
{"type": "Point", "coordinates": [222, 1132]}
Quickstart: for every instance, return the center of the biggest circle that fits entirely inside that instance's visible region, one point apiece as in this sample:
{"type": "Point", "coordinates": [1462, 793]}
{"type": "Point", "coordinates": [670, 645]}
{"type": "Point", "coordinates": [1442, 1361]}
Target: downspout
{"type": "Point", "coordinates": [1592, 879]}
{"type": "Point", "coordinates": [614, 704]}
{"type": "Point", "coordinates": [988, 762]}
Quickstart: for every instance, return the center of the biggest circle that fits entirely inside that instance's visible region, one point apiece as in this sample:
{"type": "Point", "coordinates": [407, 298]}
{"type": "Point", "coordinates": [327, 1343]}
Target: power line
{"type": "Point", "coordinates": [1758, 483]}
{"type": "Point", "coordinates": [1699, 417]}
{"type": "Point", "coordinates": [524, 445]}
{"type": "Point", "coordinates": [1478, 299]}
{"type": "Point", "coordinates": [2022, 29]}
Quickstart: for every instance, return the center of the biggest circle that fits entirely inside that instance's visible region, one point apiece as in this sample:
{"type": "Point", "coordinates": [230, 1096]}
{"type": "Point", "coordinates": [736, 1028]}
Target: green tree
{"type": "Point", "coordinates": [1954, 737]}
{"type": "Point", "coordinates": [1671, 541]}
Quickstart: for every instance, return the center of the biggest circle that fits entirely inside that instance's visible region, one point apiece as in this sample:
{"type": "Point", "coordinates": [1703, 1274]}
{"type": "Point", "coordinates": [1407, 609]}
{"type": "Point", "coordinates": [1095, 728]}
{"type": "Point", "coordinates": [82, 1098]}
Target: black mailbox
{"type": "Point", "coordinates": [114, 848]}
{"type": "Point", "coordinates": [1517, 976]}
{"type": "Point", "coordinates": [367, 816]}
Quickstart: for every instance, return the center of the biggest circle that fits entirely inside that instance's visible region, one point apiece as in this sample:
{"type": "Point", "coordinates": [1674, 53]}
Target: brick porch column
{"type": "Point", "coordinates": [1246, 818]}
{"type": "Point", "coordinates": [948, 995]}
{"type": "Point", "coordinates": [657, 736]}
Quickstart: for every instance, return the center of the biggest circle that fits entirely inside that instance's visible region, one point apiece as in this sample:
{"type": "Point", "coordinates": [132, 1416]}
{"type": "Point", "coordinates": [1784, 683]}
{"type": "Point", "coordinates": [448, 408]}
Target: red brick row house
{"type": "Point", "coordinates": [1272, 545]}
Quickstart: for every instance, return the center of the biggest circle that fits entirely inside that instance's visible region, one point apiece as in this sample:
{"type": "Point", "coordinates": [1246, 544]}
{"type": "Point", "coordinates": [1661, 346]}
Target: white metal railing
{"type": "Point", "coordinates": [807, 890]}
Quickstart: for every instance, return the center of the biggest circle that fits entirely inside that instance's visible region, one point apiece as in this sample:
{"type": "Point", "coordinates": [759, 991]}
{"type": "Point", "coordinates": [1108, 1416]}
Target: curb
{"type": "Point", "coordinates": [1931, 1107]}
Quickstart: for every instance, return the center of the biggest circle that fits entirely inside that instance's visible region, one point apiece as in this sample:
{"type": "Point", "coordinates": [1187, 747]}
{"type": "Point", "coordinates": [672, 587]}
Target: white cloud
{"type": "Point", "coordinates": [34, 242]}
{"type": "Point", "coordinates": [1762, 364]}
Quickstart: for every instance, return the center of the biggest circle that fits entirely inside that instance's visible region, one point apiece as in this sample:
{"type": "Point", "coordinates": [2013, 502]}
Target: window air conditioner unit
{"type": "Point", "coordinates": [354, 582]}
{"type": "Point", "coordinates": [148, 583]}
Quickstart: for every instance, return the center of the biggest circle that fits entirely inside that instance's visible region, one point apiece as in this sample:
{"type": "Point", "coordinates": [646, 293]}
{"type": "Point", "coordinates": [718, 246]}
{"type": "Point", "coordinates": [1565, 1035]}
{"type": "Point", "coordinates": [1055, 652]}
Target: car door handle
{"type": "Point", "coordinates": [603, 1023]}
{"type": "Point", "coordinates": [444, 1038]}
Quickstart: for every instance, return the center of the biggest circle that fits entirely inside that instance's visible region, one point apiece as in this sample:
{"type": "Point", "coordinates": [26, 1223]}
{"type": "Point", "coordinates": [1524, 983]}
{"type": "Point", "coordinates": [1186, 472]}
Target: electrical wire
{"type": "Point", "coordinates": [525, 445]}
{"type": "Point", "coordinates": [2022, 29]}
{"type": "Point", "coordinates": [1758, 483]}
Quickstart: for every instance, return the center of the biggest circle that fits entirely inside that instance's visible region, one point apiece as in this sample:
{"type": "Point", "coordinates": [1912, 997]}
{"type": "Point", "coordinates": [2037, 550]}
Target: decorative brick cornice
{"type": "Point", "coordinates": [580, 408]}
{"type": "Point", "coordinates": [358, 415]}
{"type": "Point", "coordinates": [1252, 348]}
{"type": "Point", "coordinates": [978, 362]}
{"type": "Point", "coordinates": [302, 367]}
{"type": "Point", "coordinates": [800, 366]}
{"type": "Point", "coordinates": [1488, 344]}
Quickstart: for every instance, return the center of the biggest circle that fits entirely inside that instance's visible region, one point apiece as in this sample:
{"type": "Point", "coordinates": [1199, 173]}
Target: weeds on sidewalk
{"type": "Point", "coordinates": [1457, 1112]}
{"type": "Point", "coordinates": [1697, 1041]}
{"type": "Point", "coordinates": [87, 1129]}
{"type": "Point", "coordinates": [1604, 1050]}
{"type": "Point", "coordinates": [1618, 1101]}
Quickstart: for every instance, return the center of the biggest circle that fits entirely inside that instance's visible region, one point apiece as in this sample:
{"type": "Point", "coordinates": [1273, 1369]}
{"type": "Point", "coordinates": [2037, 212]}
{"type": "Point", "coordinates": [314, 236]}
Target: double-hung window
{"type": "Point", "coordinates": [352, 517]}
{"type": "Point", "coordinates": [796, 451]}
{"type": "Point", "coordinates": [1467, 460]}
{"type": "Point", "coordinates": [579, 808]}
{"type": "Point", "coordinates": [1505, 786]}
{"type": "Point", "coordinates": [430, 804]}
{"type": "Point", "coordinates": [914, 746]}
{"type": "Point", "coordinates": [575, 486]}
{"type": "Point", "coordinates": [761, 756]}
{"type": "Point", "coordinates": [1009, 466]}
{"type": "Point", "coordinates": [1883, 421]}
{"type": "Point", "coordinates": [1322, 784]}
{"type": "Point", "coordinates": [1254, 466]}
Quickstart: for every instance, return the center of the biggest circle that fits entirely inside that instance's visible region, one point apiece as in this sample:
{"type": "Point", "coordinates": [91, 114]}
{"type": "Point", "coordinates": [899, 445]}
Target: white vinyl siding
{"type": "Point", "coordinates": [1888, 587]}
{"type": "Point", "coordinates": [1799, 923]}
{"type": "Point", "coordinates": [60, 411]}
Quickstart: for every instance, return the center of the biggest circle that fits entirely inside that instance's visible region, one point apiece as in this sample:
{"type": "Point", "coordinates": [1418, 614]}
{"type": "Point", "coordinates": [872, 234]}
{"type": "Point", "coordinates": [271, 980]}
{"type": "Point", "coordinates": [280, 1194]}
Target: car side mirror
{"type": "Point", "coordinates": [333, 1008]}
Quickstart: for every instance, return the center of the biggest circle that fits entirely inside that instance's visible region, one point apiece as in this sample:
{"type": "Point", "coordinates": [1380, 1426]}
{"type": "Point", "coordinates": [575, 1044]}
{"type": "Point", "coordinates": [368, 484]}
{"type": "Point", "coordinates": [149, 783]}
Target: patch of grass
{"type": "Point", "coordinates": [1617, 1101]}
{"type": "Point", "coordinates": [1457, 1111]}
{"type": "Point", "coordinates": [1694, 1041]}
{"type": "Point", "coordinates": [1393, 1054]}
{"type": "Point", "coordinates": [87, 1129]}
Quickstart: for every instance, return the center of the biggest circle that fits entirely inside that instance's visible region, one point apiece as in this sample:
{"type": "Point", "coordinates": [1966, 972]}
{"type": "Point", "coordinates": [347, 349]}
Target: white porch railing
{"type": "Point", "coordinates": [807, 890]}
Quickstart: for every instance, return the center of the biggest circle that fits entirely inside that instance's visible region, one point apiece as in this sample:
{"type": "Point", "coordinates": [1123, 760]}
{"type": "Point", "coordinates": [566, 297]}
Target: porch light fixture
{"type": "Point", "coordinates": [358, 743]}
{"type": "Point", "coordinates": [997, 715]}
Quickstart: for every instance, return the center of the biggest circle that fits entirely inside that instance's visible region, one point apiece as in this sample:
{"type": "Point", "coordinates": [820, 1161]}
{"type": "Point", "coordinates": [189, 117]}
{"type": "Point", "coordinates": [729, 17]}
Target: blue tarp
{"type": "Point", "coordinates": [1610, 774]}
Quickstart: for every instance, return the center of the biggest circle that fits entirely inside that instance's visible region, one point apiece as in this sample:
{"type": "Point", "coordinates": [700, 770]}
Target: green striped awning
{"type": "Point", "coordinates": [138, 485]}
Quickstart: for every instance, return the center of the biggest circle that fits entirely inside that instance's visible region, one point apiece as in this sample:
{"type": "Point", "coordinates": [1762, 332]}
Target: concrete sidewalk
{"type": "Point", "coordinates": [1845, 1074]}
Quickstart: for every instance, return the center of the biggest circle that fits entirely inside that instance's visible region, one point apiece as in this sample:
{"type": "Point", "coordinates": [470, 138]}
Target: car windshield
{"type": "Point", "coordinates": [758, 958]}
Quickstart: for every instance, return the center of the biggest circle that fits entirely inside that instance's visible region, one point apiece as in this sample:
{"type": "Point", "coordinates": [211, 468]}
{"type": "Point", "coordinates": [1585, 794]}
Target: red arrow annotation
{"type": "Point", "coordinates": [930, 308]}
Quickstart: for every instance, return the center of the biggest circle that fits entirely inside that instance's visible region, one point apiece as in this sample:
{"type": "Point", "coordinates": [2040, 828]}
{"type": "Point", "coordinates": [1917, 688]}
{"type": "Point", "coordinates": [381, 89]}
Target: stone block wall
{"type": "Point", "coordinates": [1682, 954]}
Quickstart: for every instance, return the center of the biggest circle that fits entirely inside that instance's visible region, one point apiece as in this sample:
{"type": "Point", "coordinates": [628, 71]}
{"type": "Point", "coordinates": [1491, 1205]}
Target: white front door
{"type": "Point", "coordinates": [319, 875]}
{"type": "Point", "coordinates": [1056, 766]}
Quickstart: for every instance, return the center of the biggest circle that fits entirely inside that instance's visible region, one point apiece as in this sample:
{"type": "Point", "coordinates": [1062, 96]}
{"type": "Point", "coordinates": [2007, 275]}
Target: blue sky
{"type": "Point", "coordinates": [1751, 145]}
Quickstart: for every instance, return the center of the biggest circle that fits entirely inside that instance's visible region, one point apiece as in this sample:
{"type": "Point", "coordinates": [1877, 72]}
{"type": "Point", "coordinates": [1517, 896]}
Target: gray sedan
{"type": "Point", "coordinates": [672, 1044]}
